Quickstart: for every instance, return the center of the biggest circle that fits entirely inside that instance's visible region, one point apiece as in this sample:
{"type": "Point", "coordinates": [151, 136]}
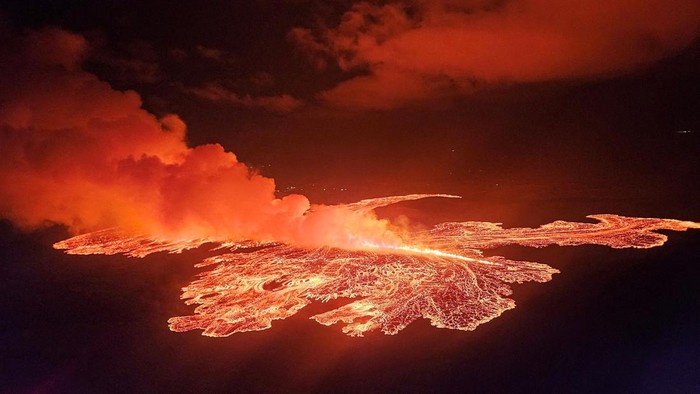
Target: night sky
{"type": "Point", "coordinates": [531, 110]}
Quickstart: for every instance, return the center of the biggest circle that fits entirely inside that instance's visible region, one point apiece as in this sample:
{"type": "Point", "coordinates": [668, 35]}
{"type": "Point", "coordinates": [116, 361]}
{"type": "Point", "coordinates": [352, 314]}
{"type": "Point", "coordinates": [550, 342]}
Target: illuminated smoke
{"type": "Point", "coordinates": [77, 152]}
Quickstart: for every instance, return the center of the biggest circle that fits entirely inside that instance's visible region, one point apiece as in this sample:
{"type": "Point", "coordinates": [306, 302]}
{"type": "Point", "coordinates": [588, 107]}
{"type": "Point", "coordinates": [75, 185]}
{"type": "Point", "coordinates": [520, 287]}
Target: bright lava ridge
{"type": "Point", "coordinates": [439, 274]}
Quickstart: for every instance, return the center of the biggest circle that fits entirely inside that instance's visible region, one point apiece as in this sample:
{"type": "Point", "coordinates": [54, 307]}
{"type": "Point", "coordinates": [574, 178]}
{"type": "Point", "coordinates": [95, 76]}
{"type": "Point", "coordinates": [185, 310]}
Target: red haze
{"type": "Point", "coordinates": [415, 50]}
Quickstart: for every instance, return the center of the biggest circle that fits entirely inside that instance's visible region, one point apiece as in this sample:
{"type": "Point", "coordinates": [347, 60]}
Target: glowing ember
{"type": "Point", "coordinates": [438, 274]}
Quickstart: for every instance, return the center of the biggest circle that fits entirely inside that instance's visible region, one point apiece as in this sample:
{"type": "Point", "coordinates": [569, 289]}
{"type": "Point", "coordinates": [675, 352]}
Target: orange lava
{"type": "Point", "coordinates": [439, 274]}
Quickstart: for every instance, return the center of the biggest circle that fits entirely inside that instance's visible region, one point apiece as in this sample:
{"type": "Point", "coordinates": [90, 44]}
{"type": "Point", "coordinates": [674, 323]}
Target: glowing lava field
{"type": "Point", "coordinates": [440, 274]}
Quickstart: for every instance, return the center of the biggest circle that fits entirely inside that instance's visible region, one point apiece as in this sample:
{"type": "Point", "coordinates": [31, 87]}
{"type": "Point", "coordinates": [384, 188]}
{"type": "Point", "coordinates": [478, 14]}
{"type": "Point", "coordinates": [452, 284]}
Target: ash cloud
{"type": "Point", "coordinates": [77, 152]}
{"type": "Point", "coordinates": [416, 50]}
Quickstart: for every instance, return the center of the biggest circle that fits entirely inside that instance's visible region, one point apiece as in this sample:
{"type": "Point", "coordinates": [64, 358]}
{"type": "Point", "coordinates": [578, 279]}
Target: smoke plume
{"type": "Point", "coordinates": [79, 153]}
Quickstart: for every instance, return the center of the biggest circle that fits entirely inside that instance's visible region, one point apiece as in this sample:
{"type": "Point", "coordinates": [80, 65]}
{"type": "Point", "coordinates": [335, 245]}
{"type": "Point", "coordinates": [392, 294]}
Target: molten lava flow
{"type": "Point", "coordinates": [439, 274]}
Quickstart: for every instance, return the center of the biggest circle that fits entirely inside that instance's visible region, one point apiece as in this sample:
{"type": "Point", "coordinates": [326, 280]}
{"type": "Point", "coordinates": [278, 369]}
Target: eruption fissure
{"type": "Point", "coordinates": [424, 251]}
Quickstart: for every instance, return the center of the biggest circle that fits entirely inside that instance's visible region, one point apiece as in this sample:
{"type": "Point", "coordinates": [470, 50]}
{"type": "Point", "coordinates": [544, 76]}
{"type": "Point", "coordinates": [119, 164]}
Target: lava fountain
{"type": "Point", "coordinates": [439, 274]}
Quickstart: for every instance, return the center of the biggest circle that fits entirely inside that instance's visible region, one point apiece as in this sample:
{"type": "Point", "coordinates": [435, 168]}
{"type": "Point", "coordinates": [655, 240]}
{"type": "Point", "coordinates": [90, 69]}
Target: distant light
{"type": "Point", "coordinates": [685, 131]}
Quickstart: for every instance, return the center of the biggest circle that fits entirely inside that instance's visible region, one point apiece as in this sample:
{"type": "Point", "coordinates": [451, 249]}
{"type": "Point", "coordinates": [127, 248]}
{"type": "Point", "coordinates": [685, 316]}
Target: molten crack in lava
{"type": "Point", "coordinates": [439, 274]}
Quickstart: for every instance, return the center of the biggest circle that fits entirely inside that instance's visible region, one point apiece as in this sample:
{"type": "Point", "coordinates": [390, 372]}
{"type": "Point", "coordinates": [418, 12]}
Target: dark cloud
{"type": "Point", "coordinates": [262, 79]}
{"type": "Point", "coordinates": [137, 62]}
{"type": "Point", "coordinates": [218, 55]}
{"type": "Point", "coordinates": [215, 92]}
